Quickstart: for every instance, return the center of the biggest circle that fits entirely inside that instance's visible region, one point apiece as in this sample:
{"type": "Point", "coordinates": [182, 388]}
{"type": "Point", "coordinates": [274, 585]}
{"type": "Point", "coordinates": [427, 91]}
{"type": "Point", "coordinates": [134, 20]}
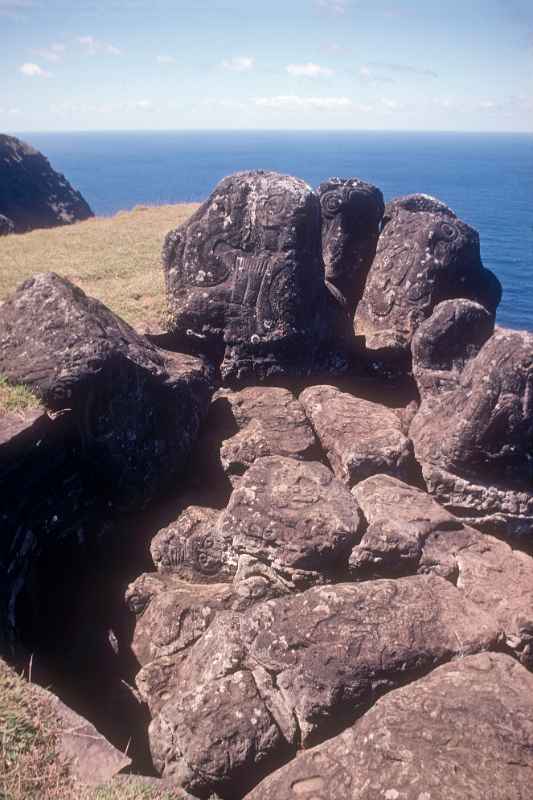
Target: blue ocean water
{"type": "Point", "coordinates": [487, 179]}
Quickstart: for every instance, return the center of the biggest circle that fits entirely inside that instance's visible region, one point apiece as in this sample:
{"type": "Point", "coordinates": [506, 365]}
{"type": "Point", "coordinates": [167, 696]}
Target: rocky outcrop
{"type": "Point", "coordinates": [32, 193]}
{"type": "Point", "coordinates": [6, 226]}
{"type": "Point", "coordinates": [473, 433]}
{"type": "Point", "coordinates": [137, 409]}
{"type": "Point", "coordinates": [359, 438]}
{"type": "Point", "coordinates": [245, 279]}
{"type": "Point", "coordinates": [293, 669]}
{"type": "Point", "coordinates": [463, 731]}
{"type": "Point", "coordinates": [269, 421]}
{"type": "Point", "coordinates": [351, 217]}
{"type": "Point", "coordinates": [425, 255]}
{"type": "Point", "coordinates": [408, 532]}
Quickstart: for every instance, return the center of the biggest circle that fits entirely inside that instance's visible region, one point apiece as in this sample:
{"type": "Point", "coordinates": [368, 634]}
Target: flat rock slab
{"type": "Point", "coordinates": [302, 666]}
{"type": "Point", "coordinates": [464, 731]}
{"type": "Point", "coordinates": [408, 531]}
{"type": "Point", "coordinates": [294, 516]}
{"type": "Point", "coordinates": [360, 438]}
{"type": "Point", "coordinates": [269, 422]}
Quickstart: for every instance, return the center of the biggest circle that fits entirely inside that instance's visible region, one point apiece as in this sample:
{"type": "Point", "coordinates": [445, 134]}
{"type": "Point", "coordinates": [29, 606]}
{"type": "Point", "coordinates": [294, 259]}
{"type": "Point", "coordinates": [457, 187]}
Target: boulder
{"type": "Point", "coordinates": [137, 409]}
{"type": "Point", "coordinates": [474, 436]}
{"type": "Point", "coordinates": [444, 343]}
{"type": "Point", "coordinates": [269, 422]}
{"type": "Point", "coordinates": [32, 194]}
{"type": "Point", "coordinates": [408, 532]}
{"type": "Point", "coordinates": [295, 670]}
{"type": "Point", "coordinates": [425, 255]}
{"type": "Point", "coordinates": [191, 547]}
{"type": "Point", "coordinates": [245, 279]}
{"type": "Point", "coordinates": [6, 225]}
{"type": "Point", "coordinates": [351, 217]}
{"type": "Point", "coordinates": [294, 516]}
{"type": "Point", "coordinates": [359, 438]}
{"type": "Point", "coordinates": [464, 731]}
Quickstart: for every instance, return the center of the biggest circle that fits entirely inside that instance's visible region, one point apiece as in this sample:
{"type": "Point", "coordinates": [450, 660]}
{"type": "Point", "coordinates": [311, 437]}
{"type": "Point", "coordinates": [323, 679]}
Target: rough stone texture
{"type": "Point", "coordinates": [32, 194]}
{"type": "Point", "coordinates": [475, 440]}
{"type": "Point", "coordinates": [269, 422]}
{"type": "Point", "coordinates": [138, 409]}
{"type": "Point", "coordinates": [464, 731]}
{"type": "Point", "coordinates": [408, 531]}
{"type": "Point", "coordinates": [171, 614]}
{"type": "Point", "coordinates": [359, 438]}
{"type": "Point", "coordinates": [296, 669]}
{"type": "Point", "coordinates": [192, 548]}
{"type": "Point", "coordinates": [425, 255]}
{"type": "Point", "coordinates": [6, 225]}
{"type": "Point", "coordinates": [351, 216]}
{"type": "Point", "coordinates": [245, 277]}
{"type": "Point", "coordinates": [294, 516]}
{"type": "Point", "coordinates": [444, 343]}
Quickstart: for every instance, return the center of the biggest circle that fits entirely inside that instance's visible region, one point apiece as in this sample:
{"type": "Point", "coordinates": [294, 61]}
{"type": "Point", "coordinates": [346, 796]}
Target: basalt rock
{"type": "Point", "coordinates": [474, 437]}
{"type": "Point", "coordinates": [269, 422]}
{"type": "Point", "coordinates": [137, 409]}
{"type": "Point", "coordinates": [294, 670]}
{"type": "Point", "coordinates": [6, 226]}
{"type": "Point", "coordinates": [294, 516]}
{"type": "Point", "coordinates": [32, 194]}
{"type": "Point", "coordinates": [408, 532]}
{"type": "Point", "coordinates": [463, 731]}
{"type": "Point", "coordinates": [425, 255]}
{"type": "Point", "coordinates": [360, 438]}
{"type": "Point", "coordinates": [351, 216]}
{"type": "Point", "coordinates": [245, 279]}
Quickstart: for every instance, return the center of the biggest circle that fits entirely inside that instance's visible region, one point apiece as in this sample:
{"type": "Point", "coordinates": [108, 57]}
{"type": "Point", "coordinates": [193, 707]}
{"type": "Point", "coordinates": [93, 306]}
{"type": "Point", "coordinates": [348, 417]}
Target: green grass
{"type": "Point", "coordinates": [15, 399]}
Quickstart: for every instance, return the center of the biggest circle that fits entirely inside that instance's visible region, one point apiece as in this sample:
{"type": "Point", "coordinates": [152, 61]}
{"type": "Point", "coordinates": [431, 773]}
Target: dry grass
{"type": "Point", "coordinates": [115, 259]}
{"type": "Point", "coordinates": [30, 768]}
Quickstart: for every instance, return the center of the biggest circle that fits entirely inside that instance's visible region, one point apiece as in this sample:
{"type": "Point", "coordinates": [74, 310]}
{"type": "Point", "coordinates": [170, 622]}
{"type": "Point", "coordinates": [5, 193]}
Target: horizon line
{"type": "Point", "coordinates": [275, 130]}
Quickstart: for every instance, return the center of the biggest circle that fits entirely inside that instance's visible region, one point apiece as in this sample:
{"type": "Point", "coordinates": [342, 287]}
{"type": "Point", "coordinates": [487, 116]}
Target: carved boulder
{"type": "Point", "coordinates": [351, 217]}
{"type": "Point", "coordinates": [245, 279]}
{"type": "Point", "coordinates": [425, 255]}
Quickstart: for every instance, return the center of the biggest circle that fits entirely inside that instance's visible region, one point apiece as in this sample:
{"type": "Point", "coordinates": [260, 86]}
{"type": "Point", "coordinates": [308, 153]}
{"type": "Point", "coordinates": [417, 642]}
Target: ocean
{"type": "Point", "coordinates": [487, 179]}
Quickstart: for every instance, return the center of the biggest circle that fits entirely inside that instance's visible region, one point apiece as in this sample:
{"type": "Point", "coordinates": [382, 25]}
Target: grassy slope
{"type": "Point", "coordinates": [116, 259]}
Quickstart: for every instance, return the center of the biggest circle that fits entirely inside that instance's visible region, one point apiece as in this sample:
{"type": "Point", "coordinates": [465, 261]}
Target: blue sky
{"type": "Point", "coordinates": [299, 64]}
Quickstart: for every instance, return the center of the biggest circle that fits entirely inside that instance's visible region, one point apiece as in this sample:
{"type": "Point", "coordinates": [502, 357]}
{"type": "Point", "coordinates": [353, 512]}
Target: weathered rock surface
{"type": "Point", "coordinates": [408, 531]}
{"type": "Point", "coordinates": [464, 731]}
{"type": "Point", "coordinates": [294, 516]}
{"type": "Point", "coordinates": [360, 438]}
{"type": "Point", "coordinates": [425, 255]}
{"type": "Point", "coordinates": [351, 216]}
{"type": "Point", "coordinates": [475, 439]}
{"type": "Point", "coordinates": [294, 670]}
{"type": "Point", "coordinates": [444, 343]}
{"type": "Point", "coordinates": [6, 226]}
{"type": "Point", "coordinates": [245, 278]}
{"type": "Point", "coordinates": [138, 409]}
{"type": "Point", "coordinates": [269, 422]}
{"type": "Point", "coordinates": [32, 194]}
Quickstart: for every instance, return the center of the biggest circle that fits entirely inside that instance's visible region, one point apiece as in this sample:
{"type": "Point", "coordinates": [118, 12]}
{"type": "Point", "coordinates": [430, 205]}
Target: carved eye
{"type": "Point", "coordinates": [274, 205]}
{"type": "Point", "coordinates": [448, 231]}
{"type": "Point", "coordinates": [331, 203]}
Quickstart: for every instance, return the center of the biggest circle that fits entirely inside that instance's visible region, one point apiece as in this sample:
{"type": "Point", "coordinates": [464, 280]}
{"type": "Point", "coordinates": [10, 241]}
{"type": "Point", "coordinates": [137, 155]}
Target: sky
{"type": "Point", "coordinates": [460, 65]}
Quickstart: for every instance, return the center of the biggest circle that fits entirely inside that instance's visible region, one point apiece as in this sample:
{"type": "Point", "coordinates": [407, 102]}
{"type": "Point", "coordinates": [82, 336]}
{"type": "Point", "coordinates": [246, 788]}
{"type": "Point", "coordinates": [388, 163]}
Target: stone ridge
{"type": "Point", "coordinates": [32, 194]}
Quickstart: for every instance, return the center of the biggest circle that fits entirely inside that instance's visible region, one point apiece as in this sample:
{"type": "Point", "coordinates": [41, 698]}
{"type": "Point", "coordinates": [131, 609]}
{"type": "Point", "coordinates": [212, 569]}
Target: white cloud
{"type": "Point", "coordinates": [298, 103]}
{"type": "Point", "coordinates": [144, 105]}
{"type": "Point", "coordinates": [11, 111]}
{"type": "Point", "coordinates": [309, 70]}
{"type": "Point", "coordinates": [239, 64]}
{"type": "Point", "coordinates": [392, 105]}
{"type": "Point", "coordinates": [487, 105]}
{"type": "Point", "coordinates": [54, 53]}
{"type": "Point", "coordinates": [337, 7]}
{"type": "Point", "coordinates": [33, 71]}
{"type": "Point", "coordinates": [166, 60]}
{"type": "Point", "coordinates": [93, 46]}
